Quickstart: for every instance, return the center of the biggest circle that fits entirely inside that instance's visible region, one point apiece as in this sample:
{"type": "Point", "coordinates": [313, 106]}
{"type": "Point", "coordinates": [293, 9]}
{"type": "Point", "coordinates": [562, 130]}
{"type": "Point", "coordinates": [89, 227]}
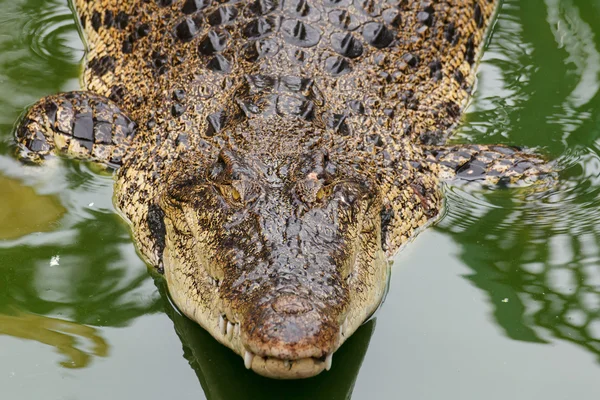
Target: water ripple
{"type": "Point", "coordinates": [543, 245]}
{"type": "Point", "coordinates": [54, 36]}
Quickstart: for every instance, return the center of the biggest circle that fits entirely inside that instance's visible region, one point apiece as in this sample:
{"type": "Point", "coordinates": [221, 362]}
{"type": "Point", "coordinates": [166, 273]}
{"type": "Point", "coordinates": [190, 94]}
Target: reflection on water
{"type": "Point", "coordinates": [28, 68]}
{"type": "Point", "coordinates": [536, 255]}
{"type": "Point", "coordinates": [218, 367]}
{"type": "Point", "coordinates": [539, 252]}
{"type": "Point", "coordinates": [64, 335]}
{"type": "Point", "coordinates": [24, 211]}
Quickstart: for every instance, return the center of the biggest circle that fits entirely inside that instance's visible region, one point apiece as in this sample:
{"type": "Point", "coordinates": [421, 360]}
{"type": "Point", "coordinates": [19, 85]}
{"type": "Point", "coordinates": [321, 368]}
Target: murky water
{"type": "Point", "coordinates": [501, 300]}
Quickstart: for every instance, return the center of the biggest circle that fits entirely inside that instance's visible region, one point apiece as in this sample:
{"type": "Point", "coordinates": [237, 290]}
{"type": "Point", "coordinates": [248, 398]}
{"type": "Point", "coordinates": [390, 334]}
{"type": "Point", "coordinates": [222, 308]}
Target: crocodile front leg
{"type": "Point", "coordinates": [81, 125]}
{"type": "Point", "coordinates": [493, 164]}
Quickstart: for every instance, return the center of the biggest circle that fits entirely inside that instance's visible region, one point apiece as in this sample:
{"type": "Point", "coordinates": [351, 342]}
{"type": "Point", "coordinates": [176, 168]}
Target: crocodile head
{"type": "Point", "coordinates": [279, 256]}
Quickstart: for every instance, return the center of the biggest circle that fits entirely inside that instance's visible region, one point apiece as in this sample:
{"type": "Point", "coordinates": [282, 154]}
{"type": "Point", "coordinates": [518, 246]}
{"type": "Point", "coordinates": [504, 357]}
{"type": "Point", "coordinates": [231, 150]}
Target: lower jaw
{"type": "Point", "coordinates": [286, 369]}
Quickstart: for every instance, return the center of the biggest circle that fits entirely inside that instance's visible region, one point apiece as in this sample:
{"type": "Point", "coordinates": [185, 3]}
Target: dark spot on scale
{"type": "Point", "coordinates": [337, 122]}
{"type": "Point", "coordinates": [103, 133]}
{"type": "Point", "coordinates": [287, 105]}
{"type": "Point", "coordinates": [459, 77]}
{"type": "Point", "coordinates": [83, 128]}
{"type": "Point", "coordinates": [374, 139]}
{"type": "Point", "coordinates": [178, 95]}
{"type": "Point", "coordinates": [369, 7]}
{"type": "Point", "coordinates": [262, 7]}
{"type": "Point", "coordinates": [109, 18]}
{"type": "Point", "coordinates": [50, 109]}
{"type": "Point", "coordinates": [434, 67]}
{"type": "Point", "coordinates": [391, 16]}
{"type": "Point", "coordinates": [96, 20]}
{"type": "Point", "coordinates": [356, 106]}
{"type": "Point", "coordinates": [337, 65]}
{"type": "Point", "coordinates": [117, 93]}
{"type": "Point", "coordinates": [38, 145]}
{"type": "Point", "coordinates": [387, 216]}
{"type": "Point", "coordinates": [191, 6]}
{"type": "Point", "coordinates": [297, 55]}
{"type": "Point", "coordinates": [377, 35]}
{"type": "Point", "coordinates": [296, 84]}
{"type": "Point", "coordinates": [223, 15]}
{"type": "Point", "coordinates": [177, 109]}
{"type": "Point", "coordinates": [522, 166]}
{"type": "Point", "coordinates": [346, 45]}
{"type": "Point", "coordinates": [478, 15]}
{"type": "Point", "coordinates": [449, 32]}
{"type": "Point", "coordinates": [213, 42]}
{"type": "Point", "coordinates": [82, 20]}
{"type": "Point", "coordinates": [507, 151]}
{"type": "Point", "coordinates": [187, 29]}
{"type": "Point", "coordinates": [470, 50]}
{"type": "Point", "coordinates": [121, 20]}
{"type": "Point", "coordinates": [343, 19]}
{"type": "Point", "coordinates": [101, 66]}
{"type": "Point", "coordinates": [261, 48]}
{"type": "Point", "coordinates": [216, 122]}
{"type": "Point", "coordinates": [410, 59]}
{"type": "Point", "coordinates": [298, 8]}
{"type": "Point", "coordinates": [257, 83]}
{"type": "Point", "coordinates": [336, 3]}
{"type": "Point", "coordinates": [300, 34]}
{"type": "Point", "coordinates": [470, 171]}
{"type": "Point", "coordinates": [452, 109]}
{"type": "Point", "coordinates": [88, 145]}
{"type": "Point", "coordinates": [182, 139]}
{"type": "Point", "coordinates": [156, 225]}
{"type": "Point", "coordinates": [425, 18]}
{"type": "Point", "coordinates": [127, 47]}
{"type": "Point", "coordinates": [164, 3]}
{"type": "Point", "coordinates": [159, 60]}
{"type": "Point", "coordinates": [124, 125]}
{"type": "Point", "coordinates": [219, 64]}
{"type": "Point", "coordinates": [260, 27]}
{"type": "Point", "coordinates": [143, 30]}
{"type": "Point", "coordinates": [431, 138]}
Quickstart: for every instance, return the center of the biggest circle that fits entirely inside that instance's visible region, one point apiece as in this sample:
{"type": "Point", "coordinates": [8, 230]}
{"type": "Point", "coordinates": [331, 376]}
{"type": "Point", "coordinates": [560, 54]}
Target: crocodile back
{"type": "Point", "coordinates": [402, 67]}
{"type": "Point", "coordinates": [375, 79]}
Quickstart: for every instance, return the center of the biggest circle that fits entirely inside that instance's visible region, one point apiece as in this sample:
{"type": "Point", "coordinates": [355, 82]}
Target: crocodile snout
{"type": "Point", "coordinates": [290, 327]}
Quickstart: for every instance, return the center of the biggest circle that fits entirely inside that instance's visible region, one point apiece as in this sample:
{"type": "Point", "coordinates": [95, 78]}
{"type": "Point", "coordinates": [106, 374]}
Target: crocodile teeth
{"type": "Point", "coordinates": [236, 330]}
{"type": "Point", "coordinates": [248, 357]}
{"type": "Point", "coordinates": [287, 364]}
{"type": "Point", "coordinates": [229, 328]}
{"type": "Point", "coordinates": [222, 325]}
{"type": "Point", "coordinates": [328, 361]}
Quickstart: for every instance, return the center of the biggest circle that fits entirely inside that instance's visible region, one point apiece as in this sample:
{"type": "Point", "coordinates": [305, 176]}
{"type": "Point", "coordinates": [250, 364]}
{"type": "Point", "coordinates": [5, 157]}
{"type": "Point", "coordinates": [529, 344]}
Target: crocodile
{"type": "Point", "coordinates": [272, 156]}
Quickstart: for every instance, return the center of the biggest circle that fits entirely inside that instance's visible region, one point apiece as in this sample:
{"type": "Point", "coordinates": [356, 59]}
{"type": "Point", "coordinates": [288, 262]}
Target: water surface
{"type": "Point", "coordinates": [501, 300]}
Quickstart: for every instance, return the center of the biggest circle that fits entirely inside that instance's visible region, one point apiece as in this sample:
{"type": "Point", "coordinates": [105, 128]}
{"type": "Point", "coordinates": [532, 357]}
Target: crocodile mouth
{"type": "Point", "coordinates": [281, 361]}
{"type": "Point", "coordinates": [229, 334]}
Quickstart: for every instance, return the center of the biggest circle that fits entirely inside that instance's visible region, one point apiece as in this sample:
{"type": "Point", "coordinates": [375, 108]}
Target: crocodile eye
{"type": "Point", "coordinates": [235, 194]}
{"type": "Point", "coordinates": [321, 193]}
{"type": "Point", "coordinates": [229, 192]}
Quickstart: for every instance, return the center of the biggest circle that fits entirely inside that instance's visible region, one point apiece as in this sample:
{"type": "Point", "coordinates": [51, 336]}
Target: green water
{"type": "Point", "coordinates": [501, 300]}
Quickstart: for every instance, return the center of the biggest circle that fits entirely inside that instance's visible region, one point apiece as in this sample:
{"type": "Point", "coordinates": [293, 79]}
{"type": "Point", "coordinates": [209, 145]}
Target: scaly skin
{"type": "Point", "coordinates": [274, 154]}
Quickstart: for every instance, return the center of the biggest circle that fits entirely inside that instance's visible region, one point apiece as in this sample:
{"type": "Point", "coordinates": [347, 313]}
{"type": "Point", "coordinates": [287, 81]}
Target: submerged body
{"type": "Point", "coordinates": [273, 155]}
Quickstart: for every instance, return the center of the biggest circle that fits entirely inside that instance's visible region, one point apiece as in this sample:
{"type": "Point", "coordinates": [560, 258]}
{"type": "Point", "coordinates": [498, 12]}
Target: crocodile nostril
{"type": "Point", "coordinates": [291, 304]}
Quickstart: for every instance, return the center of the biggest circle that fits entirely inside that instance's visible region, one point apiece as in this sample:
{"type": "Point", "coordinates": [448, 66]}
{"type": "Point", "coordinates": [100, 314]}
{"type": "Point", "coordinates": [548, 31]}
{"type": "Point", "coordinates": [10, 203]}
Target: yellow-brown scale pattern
{"type": "Point", "coordinates": [174, 87]}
